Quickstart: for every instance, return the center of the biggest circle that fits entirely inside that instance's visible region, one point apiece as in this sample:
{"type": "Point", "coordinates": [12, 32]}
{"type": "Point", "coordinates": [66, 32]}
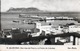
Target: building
{"type": "Point", "coordinates": [48, 29]}
{"type": "Point", "coordinates": [74, 28]}
{"type": "Point", "coordinates": [64, 18]}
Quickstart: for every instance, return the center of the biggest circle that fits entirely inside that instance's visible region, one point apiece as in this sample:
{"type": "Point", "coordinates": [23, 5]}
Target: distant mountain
{"type": "Point", "coordinates": [36, 11]}
{"type": "Point", "coordinates": [30, 9]}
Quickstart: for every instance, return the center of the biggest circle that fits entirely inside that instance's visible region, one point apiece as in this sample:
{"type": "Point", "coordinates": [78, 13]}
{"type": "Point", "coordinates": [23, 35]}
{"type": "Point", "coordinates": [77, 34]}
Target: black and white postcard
{"type": "Point", "coordinates": [39, 25]}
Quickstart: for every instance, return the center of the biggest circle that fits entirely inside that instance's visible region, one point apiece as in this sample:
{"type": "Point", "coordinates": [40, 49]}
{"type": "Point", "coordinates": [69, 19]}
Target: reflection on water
{"type": "Point", "coordinates": [63, 22]}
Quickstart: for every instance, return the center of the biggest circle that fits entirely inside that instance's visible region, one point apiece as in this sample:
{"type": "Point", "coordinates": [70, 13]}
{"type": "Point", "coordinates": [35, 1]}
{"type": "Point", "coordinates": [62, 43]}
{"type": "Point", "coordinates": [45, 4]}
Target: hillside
{"type": "Point", "coordinates": [30, 9]}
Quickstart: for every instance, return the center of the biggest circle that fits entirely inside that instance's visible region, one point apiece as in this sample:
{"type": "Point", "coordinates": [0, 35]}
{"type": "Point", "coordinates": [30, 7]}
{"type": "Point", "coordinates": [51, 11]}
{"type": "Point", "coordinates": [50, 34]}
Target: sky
{"type": "Point", "coordinates": [47, 5]}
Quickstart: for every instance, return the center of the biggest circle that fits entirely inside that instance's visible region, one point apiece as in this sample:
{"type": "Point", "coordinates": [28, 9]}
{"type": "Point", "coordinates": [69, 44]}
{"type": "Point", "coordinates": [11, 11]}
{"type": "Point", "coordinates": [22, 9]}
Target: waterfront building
{"type": "Point", "coordinates": [74, 28]}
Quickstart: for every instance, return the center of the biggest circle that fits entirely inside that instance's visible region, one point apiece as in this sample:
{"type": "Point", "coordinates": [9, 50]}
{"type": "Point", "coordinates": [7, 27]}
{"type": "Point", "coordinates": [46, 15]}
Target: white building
{"type": "Point", "coordinates": [74, 28]}
{"type": "Point", "coordinates": [50, 18]}
{"type": "Point", "coordinates": [49, 29]}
